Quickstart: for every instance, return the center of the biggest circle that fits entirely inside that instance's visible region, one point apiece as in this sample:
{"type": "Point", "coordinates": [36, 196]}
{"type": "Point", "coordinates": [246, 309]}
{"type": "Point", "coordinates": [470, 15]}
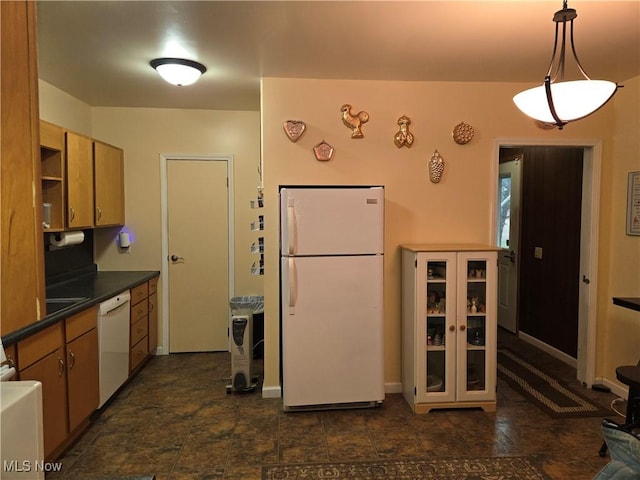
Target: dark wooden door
{"type": "Point", "coordinates": [550, 245]}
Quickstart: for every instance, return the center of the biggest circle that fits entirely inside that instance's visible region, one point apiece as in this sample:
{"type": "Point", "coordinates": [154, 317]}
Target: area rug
{"type": "Point", "coordinates": [487, 468]}
{"type": "Point", "coordinates": [544, 390]}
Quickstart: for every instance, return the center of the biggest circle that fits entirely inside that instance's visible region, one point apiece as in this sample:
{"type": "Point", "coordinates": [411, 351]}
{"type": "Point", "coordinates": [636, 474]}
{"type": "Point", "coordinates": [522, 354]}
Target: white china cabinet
{"type": "Point", "coordinates": [449, 326]}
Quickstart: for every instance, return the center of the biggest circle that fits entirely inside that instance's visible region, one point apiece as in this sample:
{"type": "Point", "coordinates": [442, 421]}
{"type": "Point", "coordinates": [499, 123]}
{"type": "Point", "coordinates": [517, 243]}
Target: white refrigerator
{"type": "Point", "coordinates": [331, 246]}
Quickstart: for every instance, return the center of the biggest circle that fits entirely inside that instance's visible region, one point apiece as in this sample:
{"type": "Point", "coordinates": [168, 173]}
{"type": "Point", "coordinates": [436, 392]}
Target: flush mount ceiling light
{"type": "Point", "coordinates": [178, 71]}
{"type": "Point", "coordinates": [558, 102]}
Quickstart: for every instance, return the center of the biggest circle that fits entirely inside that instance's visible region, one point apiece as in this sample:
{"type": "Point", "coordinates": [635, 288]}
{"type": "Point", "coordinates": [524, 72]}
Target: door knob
{"type": "Point", "coordinates": [176, 258]}
{"type": "Point", "coordinates": [512, 256]}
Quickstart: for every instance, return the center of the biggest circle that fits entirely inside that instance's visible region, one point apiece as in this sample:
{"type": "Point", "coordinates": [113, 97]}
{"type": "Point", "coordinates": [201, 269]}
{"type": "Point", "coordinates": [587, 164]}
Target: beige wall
{"type": "Point", "coordinates": [457, 209]}
{"type": "Point", "coordinates": [620, 253]}
{"type": "Point", "coordinates": [62, 109]}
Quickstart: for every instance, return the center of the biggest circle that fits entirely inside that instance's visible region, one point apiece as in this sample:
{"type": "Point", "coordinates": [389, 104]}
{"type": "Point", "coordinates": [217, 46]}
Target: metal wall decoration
{"type": "Point", "coordinates": [404, 138]}
{"type": "Point", "coordinates": [462, 133]}
{"type": "Point", "coordinates": [323, 151]}
{"type": "Point", "coordinates": [436, 167]}
{"type": "Point", "coordinates": [294, 129]}
{"type": "Point", "coordinates": [354, 122]}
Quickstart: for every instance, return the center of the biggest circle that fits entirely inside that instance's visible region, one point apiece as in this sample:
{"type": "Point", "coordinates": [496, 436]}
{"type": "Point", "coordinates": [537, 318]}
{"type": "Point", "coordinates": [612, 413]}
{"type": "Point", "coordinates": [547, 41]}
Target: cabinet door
{"type": "Point", "coordinates": [82, 377]}
{"type": "Point", "coordinates": [108, 163]}
{"type": "Point", "coordinates": [153, 323]}
{"type": "Point", "coordinates": [436, 329]}
{"type": "Point", "coordinates": [476, 343]}
{"type": "Point", "coordinates": [79, 181]}
{"type": "Point", "coordinates": [22, 253]}
{"type": "Point", "coordinates": [50, 371]}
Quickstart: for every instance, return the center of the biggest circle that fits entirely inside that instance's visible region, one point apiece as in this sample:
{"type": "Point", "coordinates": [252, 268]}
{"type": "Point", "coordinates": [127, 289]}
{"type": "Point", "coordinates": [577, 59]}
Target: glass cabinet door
{"type": "Point", "coordinates": [437, 334]}
{"type": "Point", "coordinates": [476, 326]}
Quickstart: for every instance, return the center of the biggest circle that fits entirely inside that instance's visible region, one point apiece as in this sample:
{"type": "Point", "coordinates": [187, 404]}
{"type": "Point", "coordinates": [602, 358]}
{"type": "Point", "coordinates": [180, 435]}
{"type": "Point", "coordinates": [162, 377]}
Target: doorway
{"type": "Point", "coordinates": [197, 252]}
{"type": "Point", "coordinates": [508, 238]}
{"type": "Point", "coordinates": [585, 281]}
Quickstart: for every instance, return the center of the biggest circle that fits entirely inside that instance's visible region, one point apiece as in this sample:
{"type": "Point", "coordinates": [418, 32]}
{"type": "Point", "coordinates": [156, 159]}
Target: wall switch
{"type": "Point", "coordinates": [537, 252]}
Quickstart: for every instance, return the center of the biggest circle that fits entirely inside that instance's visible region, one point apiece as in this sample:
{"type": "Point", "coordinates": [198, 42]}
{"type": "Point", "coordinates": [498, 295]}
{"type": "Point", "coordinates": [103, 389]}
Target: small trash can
{"type": "Point", "coordinates": [255, 303]}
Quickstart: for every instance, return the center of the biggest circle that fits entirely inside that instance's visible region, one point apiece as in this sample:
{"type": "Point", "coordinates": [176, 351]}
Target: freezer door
{"type": "Point", "coordinates": [331, 221]}
{"type": "Point", "coordinates": [332, 330]}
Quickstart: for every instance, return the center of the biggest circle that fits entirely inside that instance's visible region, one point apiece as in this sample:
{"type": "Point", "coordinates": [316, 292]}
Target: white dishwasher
{"type": "Point", "coordinates": [113, 340]}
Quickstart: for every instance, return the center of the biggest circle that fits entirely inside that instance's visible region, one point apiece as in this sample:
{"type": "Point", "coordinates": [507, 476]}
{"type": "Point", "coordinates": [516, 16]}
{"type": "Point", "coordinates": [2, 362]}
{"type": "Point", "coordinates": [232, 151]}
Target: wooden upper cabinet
{"type": "Point", "coordinates": [21, 246]}
{"type": "Point", "coordinates": [79, 180]}
{"type": "Point", "coordinates": [53, 176]}
{"type": "Point", "coordinates": [108, 164]}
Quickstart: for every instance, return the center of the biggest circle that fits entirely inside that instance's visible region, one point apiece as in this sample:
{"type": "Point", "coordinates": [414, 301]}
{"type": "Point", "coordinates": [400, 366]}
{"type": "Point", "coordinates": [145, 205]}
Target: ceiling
{"type": "Point", "coordinates": [99, 51]}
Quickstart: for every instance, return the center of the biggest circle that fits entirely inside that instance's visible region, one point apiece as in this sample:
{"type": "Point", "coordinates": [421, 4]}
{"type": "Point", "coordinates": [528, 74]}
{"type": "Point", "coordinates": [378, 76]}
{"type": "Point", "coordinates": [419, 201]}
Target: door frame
{"type": "Point", "coordinates": [589, 239]}
{"type": "Point", "coordinates": [164, 212]}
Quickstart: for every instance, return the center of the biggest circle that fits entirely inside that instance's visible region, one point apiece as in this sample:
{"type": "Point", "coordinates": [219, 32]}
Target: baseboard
{"type": "Point", "coordinates": [545, 347]}
{"type": "Point", "coordinates": [271, 392]}
{"type": "Point", "coordinates": [276, 391]}
{"type": "Point", "coordinates": [393, 387]}
{"type": "Point", "coordinates": [616, 389]}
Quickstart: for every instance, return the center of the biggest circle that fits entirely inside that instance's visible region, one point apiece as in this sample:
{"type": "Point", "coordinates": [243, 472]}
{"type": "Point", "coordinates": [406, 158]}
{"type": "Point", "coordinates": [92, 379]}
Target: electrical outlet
{"type": "Point", "coordinates": [537, 252]}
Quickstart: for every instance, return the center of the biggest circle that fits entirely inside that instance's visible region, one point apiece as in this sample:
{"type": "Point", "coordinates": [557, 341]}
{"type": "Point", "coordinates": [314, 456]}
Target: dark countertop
{"type": "Point", "coordinates": [633, 302]}
{"type": "Point", "coordinates": [93, 288]}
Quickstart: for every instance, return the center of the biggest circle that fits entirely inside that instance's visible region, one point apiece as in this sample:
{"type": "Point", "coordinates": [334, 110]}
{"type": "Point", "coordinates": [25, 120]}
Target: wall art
{"type": "Point", "coordinates": [462, 133]}
{"type": "Point", "coordinates": [294, 129]}
{"type": "Point", "coordinates": [323, 151]}
{"type": "Point", "coordinates": [404, 138]}
{"type": "Point", "coordinates": [436, 167]}
{"type": "Point", "coordinates": [354, 122]}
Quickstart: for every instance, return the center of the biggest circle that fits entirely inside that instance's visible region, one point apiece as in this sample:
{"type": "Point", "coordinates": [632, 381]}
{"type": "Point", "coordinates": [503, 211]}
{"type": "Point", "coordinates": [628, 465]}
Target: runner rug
{"type": "Point", "coordinates": [487, 468]}
{"type": "Point", "coordinates": [544, 390]}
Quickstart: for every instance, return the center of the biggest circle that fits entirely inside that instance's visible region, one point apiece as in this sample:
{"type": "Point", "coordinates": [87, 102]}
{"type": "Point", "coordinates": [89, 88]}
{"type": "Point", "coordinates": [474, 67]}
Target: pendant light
{"type": "Point", "coordinates": [178, 71]}
{"type": "Point", "coordinates": [558, 102]}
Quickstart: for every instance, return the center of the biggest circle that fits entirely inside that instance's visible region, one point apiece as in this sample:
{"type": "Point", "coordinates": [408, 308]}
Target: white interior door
{"type": "Point", "coordinates": [198, 248]}
{"type": "Point", "coordinates": [508, 236]}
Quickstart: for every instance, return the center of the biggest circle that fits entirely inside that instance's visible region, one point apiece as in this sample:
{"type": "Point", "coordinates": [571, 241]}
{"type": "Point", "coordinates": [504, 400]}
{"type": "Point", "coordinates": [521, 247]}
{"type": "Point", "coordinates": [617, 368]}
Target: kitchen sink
{"type": "Point", "coordinates": [66, 300]}
{"type": "Point", "coordinates": [62, 303]}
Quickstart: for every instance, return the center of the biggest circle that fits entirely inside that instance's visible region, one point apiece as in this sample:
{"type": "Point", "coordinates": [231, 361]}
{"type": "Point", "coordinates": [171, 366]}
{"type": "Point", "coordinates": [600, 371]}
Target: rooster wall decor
{"type": "Point", "coordinates": [354, 122]}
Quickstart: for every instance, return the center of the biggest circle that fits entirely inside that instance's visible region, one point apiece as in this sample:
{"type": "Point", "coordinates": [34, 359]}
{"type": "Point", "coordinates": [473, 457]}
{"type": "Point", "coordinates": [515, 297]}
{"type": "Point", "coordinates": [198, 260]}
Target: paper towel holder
{"type": "Point", "coordinates": [123, 240]}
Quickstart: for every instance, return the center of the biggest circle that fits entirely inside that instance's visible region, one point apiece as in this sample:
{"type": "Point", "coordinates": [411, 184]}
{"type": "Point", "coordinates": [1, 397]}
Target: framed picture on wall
{"type": "Point", "coordinates": [633, 204]}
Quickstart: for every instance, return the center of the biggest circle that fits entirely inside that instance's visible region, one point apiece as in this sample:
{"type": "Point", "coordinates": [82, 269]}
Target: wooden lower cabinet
{"type": "Point", "coordinates": [138, 334]}
{"type": "Point", "coordinates": [42, 357]}
{"type": "Point", "coordinates": [83, 383]}
{"type": "Point", "coordinates": [153, 316]}
{"type": "Point", "coordinates": [64, 358]}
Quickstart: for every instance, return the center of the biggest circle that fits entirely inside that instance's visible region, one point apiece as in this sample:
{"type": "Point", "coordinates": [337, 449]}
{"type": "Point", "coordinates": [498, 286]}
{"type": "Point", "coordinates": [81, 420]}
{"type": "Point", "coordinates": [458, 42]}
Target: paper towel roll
{"type": "Point", "coordinates": [65, 239]}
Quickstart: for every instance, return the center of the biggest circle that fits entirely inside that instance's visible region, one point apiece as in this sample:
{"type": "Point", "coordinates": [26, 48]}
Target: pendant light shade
{"type": "Point", "coordinates": [557, 102]}
{"type": "Point", "coordinates": [178, 71]}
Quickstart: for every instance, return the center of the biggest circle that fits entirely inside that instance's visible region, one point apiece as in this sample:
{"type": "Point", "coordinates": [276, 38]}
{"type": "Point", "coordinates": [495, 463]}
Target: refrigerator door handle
{"type": "Point", "coordinates": [293, 291]}
{"type": "Point", "coordinates": [291, 230]}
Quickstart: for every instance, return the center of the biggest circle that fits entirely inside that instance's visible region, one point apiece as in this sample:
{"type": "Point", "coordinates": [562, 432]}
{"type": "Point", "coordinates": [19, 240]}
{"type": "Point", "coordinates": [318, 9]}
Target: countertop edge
{"type": "Point", "coordinates": [134, 278]}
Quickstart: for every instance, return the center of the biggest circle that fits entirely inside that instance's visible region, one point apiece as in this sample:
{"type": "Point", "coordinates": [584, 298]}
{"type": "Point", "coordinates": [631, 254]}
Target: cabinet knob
{"type": "Point", "coordinates": [73, 213]}
{"type": "Point", "coordinates": [72, 362]}
{"type": "Point", "coordinates": [463, 328]}
{"type": "Point", "coordinates": [99, 212]}
{"type": "Point", "coordinates": [452, 328]}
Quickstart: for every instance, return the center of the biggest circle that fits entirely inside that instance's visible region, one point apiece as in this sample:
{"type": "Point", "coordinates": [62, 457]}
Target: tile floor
{"type": "Point", "coordinates": [176, 421]}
